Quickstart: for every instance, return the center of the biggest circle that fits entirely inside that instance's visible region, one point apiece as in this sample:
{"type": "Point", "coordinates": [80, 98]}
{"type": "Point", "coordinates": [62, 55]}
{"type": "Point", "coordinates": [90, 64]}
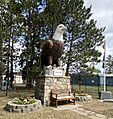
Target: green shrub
{"type": "Point", "coordinates": [24, 101]}
{"type": "Point", "coordinates": [79, 93]}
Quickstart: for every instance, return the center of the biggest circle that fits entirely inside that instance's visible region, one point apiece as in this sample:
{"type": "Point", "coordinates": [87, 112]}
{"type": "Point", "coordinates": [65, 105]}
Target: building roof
{"type": "Point", "coordinates": [108, 75]}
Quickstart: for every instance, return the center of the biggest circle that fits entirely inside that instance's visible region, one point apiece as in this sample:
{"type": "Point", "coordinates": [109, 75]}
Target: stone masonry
{"type": "Point", "coordinates": [12, 107]}
{"type": "Point", "coordinates": [44, 85]}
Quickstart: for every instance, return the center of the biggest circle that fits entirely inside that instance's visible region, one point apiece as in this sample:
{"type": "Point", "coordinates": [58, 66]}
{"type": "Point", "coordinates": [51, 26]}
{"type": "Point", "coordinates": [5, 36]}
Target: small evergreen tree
{"type": "Point", "coordinates": [109, 64]}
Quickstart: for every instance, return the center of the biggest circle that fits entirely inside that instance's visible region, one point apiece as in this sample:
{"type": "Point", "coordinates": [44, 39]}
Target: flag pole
{"type": "Point", "coordinates": [104, 64]}
{"type": "Point", "coordinates": [104, 77]}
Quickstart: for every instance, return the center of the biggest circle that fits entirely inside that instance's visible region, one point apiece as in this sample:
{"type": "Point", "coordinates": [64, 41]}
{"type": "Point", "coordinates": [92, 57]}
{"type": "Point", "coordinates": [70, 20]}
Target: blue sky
{"type": "Point", "coordinates": [103, 12]}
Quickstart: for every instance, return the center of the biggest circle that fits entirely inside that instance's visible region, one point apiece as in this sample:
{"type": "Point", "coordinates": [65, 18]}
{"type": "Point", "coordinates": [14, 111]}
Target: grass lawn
{"type": "Point", "coordinates": [92, 90]}
{"type": "Point", "coordinates": [44, 113]}
{"type": "Point", "coordinates": [48, 113]}
{"type": "Point", "coordinates": [105, 108]}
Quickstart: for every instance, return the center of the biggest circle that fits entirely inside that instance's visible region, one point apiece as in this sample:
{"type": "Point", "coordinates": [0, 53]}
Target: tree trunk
{"type": "Point", "coordinates": [1, 48]}
{"type": "Point", "coordinates": [1, 61]}
{"type": "Point", "coordinates": [12, 73]}
{"type": "Point", "coordinates": [69, 56]}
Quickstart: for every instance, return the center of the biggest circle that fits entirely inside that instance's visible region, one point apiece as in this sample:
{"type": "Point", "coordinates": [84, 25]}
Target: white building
{"type": "Point", "coordinates": [17, 80]}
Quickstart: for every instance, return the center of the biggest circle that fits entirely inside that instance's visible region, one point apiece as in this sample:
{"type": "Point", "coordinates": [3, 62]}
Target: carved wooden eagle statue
{"type": "Point", "coordinates": [53, 48]}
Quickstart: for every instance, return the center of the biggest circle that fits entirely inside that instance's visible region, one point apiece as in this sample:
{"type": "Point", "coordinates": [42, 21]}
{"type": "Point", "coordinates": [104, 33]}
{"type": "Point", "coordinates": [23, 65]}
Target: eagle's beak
{"type": "Point", "coordinates": [65, 28]}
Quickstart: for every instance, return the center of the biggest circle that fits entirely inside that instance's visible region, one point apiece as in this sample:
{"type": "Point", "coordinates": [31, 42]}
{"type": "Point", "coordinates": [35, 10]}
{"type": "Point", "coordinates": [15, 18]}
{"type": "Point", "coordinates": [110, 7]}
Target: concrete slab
{"type": "Point", "coordinates": [108, 100]}
{"type": "Point", "coordinates": [66, 107]}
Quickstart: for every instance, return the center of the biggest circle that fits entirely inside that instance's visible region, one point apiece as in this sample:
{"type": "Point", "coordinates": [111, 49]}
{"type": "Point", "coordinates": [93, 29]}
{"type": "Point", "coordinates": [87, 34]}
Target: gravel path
{"type": "Point", "coordinates": [80, 110]}
{"type": "Point", "coordinates": [104, 108]}
{"type": "Point", "coordinates": [89, 114]}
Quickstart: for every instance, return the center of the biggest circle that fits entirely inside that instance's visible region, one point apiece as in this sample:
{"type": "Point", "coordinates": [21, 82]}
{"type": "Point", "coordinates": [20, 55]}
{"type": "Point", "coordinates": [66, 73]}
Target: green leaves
{"type": "Point", "coordinates": [109, 64]}
{"type": "Point", "coordinates": [83, 38]}
{"type": "Point", "coordinates": [23, 23]}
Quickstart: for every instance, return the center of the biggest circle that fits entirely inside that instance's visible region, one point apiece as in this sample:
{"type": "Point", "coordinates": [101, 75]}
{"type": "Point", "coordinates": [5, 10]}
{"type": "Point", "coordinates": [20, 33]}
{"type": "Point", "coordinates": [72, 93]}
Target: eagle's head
{"type": "Point", "coordinates": [58, 35]}
{"type": "Point", "coordinates": [61, 28]}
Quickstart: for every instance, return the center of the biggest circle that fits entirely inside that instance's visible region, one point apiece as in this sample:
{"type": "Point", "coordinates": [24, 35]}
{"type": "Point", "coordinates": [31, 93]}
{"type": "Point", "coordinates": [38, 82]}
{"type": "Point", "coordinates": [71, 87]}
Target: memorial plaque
{"type": "Point", "coordinates": [57, 72]}
{"type": "Point", "coordinates": [105, 95]}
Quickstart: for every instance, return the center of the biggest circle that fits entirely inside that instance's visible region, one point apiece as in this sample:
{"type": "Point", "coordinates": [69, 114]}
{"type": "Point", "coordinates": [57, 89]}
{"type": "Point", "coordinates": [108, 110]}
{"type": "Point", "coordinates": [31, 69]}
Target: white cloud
{"type": "Point", "coordinates": [100, 5]}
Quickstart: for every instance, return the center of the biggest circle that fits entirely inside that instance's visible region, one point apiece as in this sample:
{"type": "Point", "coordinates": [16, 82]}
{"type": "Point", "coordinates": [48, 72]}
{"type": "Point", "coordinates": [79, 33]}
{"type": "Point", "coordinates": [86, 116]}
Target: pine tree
{"type": "Point", "coordinates": [9, 35]}
{"type": "Point", "coordinates": [82, 36]}
{"type": "Point", "coordinates": [2, 35]}
{"type": "Point", "coordinates": [32, 29]}
{"type": "Point", "coordinates": [109, 64]}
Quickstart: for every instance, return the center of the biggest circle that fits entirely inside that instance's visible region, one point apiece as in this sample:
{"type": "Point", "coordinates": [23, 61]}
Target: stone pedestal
{"type": "Point", "coordinates": [44, 85]}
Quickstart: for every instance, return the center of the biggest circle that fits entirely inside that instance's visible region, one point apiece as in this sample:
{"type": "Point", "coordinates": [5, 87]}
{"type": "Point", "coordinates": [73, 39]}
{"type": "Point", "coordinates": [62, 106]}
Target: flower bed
{"type": "Point", "coordinates": [83, 97]}
{"type": "Point", "coordinates": [23, 105]}
{"type": "Point", "coordinates": [24, 101]}
{"type": "Point", "coordinates": [80, 96]}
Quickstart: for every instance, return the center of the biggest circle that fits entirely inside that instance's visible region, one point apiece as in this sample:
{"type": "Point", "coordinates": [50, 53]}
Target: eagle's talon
{"type": "Point", "coordinates": [48, 67]}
